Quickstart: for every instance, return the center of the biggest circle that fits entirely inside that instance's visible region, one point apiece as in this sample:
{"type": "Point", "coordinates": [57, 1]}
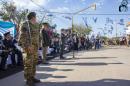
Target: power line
{"type": "Point", "coordinates": [68, 13]}
{"type": "Point", "coordinates": [86, 13]}
{"type": "Point", "coordinates": [39, 6]}
{"type": "Point", "coordinates": [104, 14]}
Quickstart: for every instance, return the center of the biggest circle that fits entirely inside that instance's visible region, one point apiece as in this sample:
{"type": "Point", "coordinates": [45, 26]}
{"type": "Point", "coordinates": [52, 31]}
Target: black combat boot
{"type": "Point", "coordinates": [30, 83]}
{"type": "Point", "coordinates": [36, 80]}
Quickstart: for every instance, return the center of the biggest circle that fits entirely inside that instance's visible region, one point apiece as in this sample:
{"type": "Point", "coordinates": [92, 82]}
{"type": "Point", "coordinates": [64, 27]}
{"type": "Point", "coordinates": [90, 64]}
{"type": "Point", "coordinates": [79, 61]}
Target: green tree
{"type": "Point", "coordinates": [105, 38]}
{"type": "Point", "coordinates": [9, 12]}
{"type": "Point", "coordinates": [82, 30]}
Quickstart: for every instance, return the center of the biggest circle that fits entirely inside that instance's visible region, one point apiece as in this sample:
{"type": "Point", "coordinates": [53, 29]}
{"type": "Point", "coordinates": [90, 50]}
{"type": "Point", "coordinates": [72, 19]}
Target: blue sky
{"type": "Point", "coordinates": [103, 7]}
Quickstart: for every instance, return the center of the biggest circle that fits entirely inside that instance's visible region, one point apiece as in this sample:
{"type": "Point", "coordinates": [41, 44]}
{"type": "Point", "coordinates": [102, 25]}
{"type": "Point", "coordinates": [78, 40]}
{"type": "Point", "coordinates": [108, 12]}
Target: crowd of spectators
{"type": "Point", "coordinates": [119, 41]}
{"type": "Point", "coordinates": [11, 53]}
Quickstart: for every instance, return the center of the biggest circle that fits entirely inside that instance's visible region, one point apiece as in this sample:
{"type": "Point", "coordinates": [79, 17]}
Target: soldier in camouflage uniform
{"type": "Point", "coordinates": [29, 41]}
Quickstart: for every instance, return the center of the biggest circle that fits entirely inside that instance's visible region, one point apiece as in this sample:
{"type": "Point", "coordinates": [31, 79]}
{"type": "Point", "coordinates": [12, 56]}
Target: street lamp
{"type": "Point", "coordinates": [93, 6]}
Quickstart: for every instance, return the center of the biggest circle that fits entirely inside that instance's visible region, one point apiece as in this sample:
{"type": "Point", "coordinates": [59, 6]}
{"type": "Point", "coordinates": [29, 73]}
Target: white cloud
{"type": "Point", "coordinates": [60, 9]}
{"type": "Point", "coordinates": [28, 4]}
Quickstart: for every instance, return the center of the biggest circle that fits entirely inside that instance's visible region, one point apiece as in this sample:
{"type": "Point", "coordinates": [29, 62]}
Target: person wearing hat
{"type": "Point", "coordinates": [46, 41]}
{"type": "Point", "coordinates": [7, 47]}
{"type": "Point", "coordinates": [29, 40]}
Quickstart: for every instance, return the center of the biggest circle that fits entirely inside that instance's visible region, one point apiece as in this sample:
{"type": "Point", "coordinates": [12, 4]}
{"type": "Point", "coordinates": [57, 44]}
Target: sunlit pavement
{"type": "Point", "coordinates": [105, 67]}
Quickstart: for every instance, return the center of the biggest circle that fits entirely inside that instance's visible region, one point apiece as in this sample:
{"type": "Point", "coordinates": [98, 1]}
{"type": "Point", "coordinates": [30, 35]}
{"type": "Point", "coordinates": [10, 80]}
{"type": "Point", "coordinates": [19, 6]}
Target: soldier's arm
{"type": "Point", "coordinates": [24, 36]}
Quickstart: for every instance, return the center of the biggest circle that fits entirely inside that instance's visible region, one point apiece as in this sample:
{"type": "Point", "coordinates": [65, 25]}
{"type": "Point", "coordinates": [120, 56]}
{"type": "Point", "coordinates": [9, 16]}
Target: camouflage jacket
{"type": "Point", "coordinates": [28, 37]}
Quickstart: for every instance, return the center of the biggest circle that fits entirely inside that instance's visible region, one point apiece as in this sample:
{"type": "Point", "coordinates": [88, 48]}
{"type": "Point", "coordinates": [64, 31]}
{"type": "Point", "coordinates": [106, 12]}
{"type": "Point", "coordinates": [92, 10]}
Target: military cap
{"type": "Point", "coordinates": [7, 33]}
{"type": "Point", "coordinates": [31, 15]}
{"type": "Point", "coordinates": [45, 23]}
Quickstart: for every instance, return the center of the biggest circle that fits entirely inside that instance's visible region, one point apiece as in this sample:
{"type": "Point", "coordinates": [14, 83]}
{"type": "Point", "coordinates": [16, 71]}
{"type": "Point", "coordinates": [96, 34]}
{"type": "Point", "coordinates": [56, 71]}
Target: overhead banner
{"type": "Point", "coordinates": [108, 20]}
{"type": "Point", "coordinates": [7, 27]}
{"type": "Point", "coordinates": [121, 22]}
{"type": "Point", "coordinates": [95, 20]}
{"type": "Point", "coordinates": [67, 17]}
{"type": "Point", "coordinates": [85, 21]}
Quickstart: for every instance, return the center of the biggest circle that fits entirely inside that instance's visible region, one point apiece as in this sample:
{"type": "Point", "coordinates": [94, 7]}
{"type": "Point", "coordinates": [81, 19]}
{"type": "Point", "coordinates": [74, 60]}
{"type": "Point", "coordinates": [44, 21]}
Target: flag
{"type": "Point", "coordinates": [105, 28]}
{"type": "Point", "coordinates": [125, 28]}
{"type": "Point", "coordinates": [50, 15]}
{"type": "Point", "coordinates": [108, 20]}
{"type": "Point", "coordinates": [95, 19]}
{"type": "Point", "coordinates": [110, 31]}
{"type": "Point", "coordinates": [67, 17]}
{"type": "Point", "coordinates": [7, 27]}
{"type": "Point", "coordinates": [111, 28]}
{"type": "Point", "coordinates": [103, 32]}
{"type": "Point", "coordinates": [85, 21]}
{"type": "Point", "coordinates": [121, 22]}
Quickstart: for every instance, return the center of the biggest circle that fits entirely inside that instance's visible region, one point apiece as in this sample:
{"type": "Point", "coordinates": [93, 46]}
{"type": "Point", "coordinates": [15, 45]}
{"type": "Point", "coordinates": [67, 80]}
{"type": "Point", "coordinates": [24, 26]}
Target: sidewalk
{"type": "Point", "coordinates": [106, 67]}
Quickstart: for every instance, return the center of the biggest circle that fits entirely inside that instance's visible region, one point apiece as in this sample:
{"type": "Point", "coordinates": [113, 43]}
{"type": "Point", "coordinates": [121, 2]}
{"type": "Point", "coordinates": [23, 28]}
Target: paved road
{"type": "Point", "coordinates": [106, 67]}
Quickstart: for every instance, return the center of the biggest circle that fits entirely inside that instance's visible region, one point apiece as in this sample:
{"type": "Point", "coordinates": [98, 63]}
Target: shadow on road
{"type": "Point", "coordinates": [61, 61]}
{"type": "Point", "coordinates": [43, 71]}
{"type": "Point", "coordinates": [103, 82]}
{"type": "Point", "coordinates": [46, 69]}
{"type": "Point", "coordinates": [86, 64]}
{"type": "Point", "coordinates": [49, 69]}
{"type": "Point", "coordinates": [10, 71]}
{"type": "Point", "coordinates": [96, 57]}
{"type": "Point", "coordinates": [45, 76]}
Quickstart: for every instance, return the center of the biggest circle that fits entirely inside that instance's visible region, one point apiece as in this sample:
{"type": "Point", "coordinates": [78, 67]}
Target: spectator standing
{"type": "Point", "coordinates": [63, 35]}
{"type": "Point", "coordinates": [97, 43]}
{"type": "Point", "coordinates": [46, 41]}
{"type": "Point", "coordinates": [76, 42]}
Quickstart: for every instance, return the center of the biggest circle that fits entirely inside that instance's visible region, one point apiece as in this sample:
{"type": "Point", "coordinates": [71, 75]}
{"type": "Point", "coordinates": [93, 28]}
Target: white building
{"type": "Point", "coordinates": [128, 33]}
{"type": "Point", "coordinates": [128, 28]}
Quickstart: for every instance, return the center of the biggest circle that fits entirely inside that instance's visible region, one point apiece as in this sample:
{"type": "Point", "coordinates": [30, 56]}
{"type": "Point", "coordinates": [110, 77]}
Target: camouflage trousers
{"type": "Point", "coordinates": [30, 62]}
